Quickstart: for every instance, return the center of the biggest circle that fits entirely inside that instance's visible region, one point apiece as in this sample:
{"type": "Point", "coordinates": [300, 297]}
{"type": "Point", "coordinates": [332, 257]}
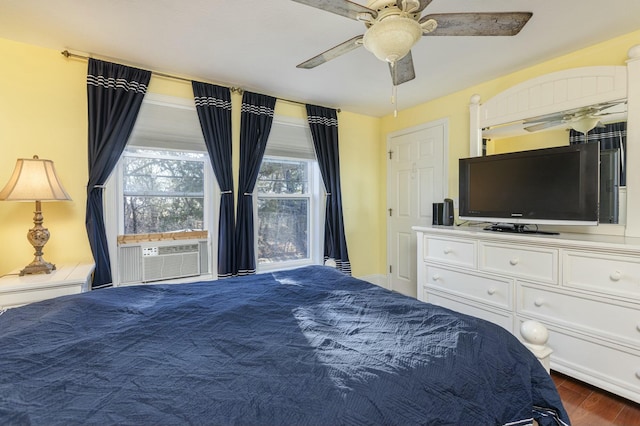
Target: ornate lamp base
{"type": "Point", "coordinates": [42, 267]}
{"type": "Point", "coordinates": [38, 237]}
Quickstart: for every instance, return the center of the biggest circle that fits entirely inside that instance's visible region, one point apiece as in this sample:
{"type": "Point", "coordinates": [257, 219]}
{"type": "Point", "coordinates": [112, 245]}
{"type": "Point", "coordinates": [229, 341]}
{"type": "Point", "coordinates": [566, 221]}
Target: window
{"type": "Point", "coordinates": [288, 204]}
{"type": "Point", "coordinates": [162, 191]}
{"type": "Point", "coordinates": [284, 205]}
{"type": "Point", "coordinates": [163, 182]}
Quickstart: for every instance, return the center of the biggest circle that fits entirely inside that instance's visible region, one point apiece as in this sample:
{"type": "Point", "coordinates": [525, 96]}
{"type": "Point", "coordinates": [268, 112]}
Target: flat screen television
{"type": "Point", "coordinates": [550, 186]}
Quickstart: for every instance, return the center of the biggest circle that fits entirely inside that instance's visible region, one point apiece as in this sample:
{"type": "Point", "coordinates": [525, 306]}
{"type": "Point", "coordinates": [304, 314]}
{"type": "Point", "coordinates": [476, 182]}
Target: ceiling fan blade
{"type": "Point", "coordinates": [403, 70]}
{"type": "Point", "coordinates": [478, 24]}
{"type": "Point", "coordinates": [340, 7]}
{"type": "Point", "coordinates": [606, 108]}
{"type": "Point", "coordinates": [556, 116]}
{"type": "Point", "coordinates": [423, 5]}
{"type": "Point", "coordinates": [596, 110]}
{"type": "Point", "coordinates": [545, 125]}
{"type": "Point", "coordinates": [332, 53]}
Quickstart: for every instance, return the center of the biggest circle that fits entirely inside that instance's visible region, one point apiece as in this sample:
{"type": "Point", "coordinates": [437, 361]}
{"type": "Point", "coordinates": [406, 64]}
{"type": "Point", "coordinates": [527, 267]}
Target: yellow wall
{"type": "Point", "coordinates": [43, 111]}
{"type": "Point", "coordinates": [535, 140]}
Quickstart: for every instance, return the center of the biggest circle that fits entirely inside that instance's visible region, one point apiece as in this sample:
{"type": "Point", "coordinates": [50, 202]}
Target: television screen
{"type": "Point", "coordinates": [556, 186]}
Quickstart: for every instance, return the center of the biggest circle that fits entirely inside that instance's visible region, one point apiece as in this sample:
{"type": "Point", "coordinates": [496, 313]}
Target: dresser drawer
{"type": "Point", "coordinates": [501, 318]}
{"type": "Point", "coordinates": [451, 251]}
{"type": "Point", "coordinates": [496, 291]}
{"type": "Point", "coordinates": [618, 275]}
{"type": "Point", "coordinates": [590, 315]}
{"type": "Point", "coordinates": [615, 369]}
{"type": "Point", "coordinates": [534, 263]}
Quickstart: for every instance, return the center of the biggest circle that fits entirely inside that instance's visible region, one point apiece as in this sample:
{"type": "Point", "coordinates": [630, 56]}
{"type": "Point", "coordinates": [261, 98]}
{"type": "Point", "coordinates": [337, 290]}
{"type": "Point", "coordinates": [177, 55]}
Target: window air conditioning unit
{"type": "Point", "coordinates": [162, 260]}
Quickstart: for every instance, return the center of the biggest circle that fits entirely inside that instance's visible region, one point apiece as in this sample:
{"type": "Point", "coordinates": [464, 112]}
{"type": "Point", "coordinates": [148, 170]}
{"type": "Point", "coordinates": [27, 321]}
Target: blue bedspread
{"type": "Point", "coordinates": [304, 347]}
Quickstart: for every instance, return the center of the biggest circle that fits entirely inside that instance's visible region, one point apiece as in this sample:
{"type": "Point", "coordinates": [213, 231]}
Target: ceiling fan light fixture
{"type": "Point", "coordinates": [584, 124]}
{"type": "Point", "coordinates": [392, 38]}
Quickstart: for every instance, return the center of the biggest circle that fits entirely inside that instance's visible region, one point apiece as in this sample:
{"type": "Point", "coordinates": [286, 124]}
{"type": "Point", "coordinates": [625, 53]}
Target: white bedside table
{"type": "Point", "coordinates": [18, 290]}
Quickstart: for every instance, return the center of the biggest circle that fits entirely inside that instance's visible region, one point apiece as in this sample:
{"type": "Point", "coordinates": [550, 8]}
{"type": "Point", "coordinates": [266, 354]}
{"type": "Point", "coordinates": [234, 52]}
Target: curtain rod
{"type": "Point", "coordinates": [238, 90]}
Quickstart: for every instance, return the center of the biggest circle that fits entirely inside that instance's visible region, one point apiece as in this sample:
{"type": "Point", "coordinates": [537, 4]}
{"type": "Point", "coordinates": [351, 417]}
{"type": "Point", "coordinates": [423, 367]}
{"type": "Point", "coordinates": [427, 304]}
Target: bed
{"type": "Point", "coordinates": [309, 346]}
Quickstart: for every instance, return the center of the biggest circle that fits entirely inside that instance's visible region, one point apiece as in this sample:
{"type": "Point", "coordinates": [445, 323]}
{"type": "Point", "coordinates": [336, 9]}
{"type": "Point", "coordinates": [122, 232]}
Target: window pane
{"type": "Point", "coordinates": [163, 191]}
{"type": "Point", "coordinates": [161, 175]}
{"type": "Point", "coordinates": [162, 214]}
{"type": "Point", "coordinates": [283, 177]}
{"type": "Point", "coordinates": [282, 229]}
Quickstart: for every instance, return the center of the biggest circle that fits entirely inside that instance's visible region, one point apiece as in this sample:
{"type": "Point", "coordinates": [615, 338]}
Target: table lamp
{"type": "Point", "coordinates": [35, 180]}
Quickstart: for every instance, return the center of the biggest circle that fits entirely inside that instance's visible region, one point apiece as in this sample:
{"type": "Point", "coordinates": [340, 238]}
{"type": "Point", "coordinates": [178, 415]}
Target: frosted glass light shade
{"type": "Point", "coordinates": [392, 38]}
{"type": "Point", "coordinates": [584, 125]}
{"type": "Point", "coordinates": [34, 179]}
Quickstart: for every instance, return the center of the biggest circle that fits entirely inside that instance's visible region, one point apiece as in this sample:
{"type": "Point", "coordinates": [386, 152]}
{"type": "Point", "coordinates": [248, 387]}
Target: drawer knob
{"type": "Point", "coordinates": [638, 374]}
{"type": "Point", "coordinates": [615, 276]}
{"type": "Point", "coordinates": [436, 277]}
{"type": "Point", "coordinates": [491, 291]}
{"type": "Point", "coordinates": [538, 302]}
{"type": "Point", "coordinates": [514, 261]}
{"type": "Point", "coordinates": [448, 250]}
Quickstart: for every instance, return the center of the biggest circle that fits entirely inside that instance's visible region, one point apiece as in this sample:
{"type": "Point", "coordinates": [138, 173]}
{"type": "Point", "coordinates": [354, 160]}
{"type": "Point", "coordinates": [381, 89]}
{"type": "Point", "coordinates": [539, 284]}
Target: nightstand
{"type": "Point", "coordinates": [18, 290]}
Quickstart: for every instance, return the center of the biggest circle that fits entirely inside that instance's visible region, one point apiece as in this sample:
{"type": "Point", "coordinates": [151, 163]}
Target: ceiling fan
{"type": "Point", "coordinates": [581, 119]}
{"type": "Point", "coordinates": [395, 26]}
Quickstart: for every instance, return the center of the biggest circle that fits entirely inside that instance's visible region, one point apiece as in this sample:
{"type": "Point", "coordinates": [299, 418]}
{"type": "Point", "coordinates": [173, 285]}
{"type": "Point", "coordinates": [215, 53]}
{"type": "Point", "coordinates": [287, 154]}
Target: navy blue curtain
{"type": "Point", "coordinates": [323, 123]}
{"type": "Point", "coordinates": [213, 104]}
{"type": "Point", "coordinates": [114, 94]}
{"type": "Point", "coordinates": [255, 126]}
{"type": "Point", "coordinates": [611, 136]}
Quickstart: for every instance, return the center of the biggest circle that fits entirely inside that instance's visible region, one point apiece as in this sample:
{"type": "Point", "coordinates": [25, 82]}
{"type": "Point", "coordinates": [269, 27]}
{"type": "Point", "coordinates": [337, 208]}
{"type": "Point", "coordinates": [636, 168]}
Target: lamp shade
{"type": "Point", "coordinates": [34, 179]}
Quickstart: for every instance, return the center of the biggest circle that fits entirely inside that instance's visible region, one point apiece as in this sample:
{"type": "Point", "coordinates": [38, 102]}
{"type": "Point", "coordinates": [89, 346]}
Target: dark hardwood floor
{"type": "Point", "coordinates": [590, 406]}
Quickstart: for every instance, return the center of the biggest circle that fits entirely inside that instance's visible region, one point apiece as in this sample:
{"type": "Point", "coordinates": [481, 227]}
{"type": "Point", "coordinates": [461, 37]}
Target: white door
{"type": "Point", "coordinates": [416, 178]}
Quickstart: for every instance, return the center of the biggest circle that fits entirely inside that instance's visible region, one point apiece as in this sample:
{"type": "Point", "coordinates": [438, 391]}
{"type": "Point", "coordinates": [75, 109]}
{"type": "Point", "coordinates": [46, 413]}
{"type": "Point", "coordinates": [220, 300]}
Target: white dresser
{"type": "Point", "coordinates": [18, 290]}
{"type": "Point", "coordinates": [584, 288]}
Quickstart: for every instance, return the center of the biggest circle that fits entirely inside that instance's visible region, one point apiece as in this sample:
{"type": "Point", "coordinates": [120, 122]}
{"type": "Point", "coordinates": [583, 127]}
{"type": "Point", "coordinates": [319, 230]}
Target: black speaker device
{"type": "Point", "coordinates": [438, 208]}
{"type": "Point", "coordinates": [447, 212]}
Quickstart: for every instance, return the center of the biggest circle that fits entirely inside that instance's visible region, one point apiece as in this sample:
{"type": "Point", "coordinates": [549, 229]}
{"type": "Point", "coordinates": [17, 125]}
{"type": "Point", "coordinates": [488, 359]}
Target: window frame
{"type": "Point", "coordinates": [315, 219]}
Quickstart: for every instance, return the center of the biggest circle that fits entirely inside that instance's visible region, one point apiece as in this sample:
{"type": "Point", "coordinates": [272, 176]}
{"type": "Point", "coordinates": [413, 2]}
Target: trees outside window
{"type": "Point", "coordinates": [163, 191]}
{"type": "Point", "coordinates": [284, 210]}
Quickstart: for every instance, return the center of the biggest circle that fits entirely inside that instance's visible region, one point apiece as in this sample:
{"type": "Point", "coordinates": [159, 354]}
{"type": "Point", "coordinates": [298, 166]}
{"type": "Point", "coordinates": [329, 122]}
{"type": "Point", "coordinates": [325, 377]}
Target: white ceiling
{"type": "Point", "coordinates": [256, 44]}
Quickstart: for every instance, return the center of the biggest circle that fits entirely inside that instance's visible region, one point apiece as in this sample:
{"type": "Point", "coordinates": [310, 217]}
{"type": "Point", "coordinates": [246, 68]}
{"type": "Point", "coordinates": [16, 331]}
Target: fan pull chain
{"type": "Point", "coordinates": [394, 100]}
{"type": "Point", "coordinates": [394, 89]}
